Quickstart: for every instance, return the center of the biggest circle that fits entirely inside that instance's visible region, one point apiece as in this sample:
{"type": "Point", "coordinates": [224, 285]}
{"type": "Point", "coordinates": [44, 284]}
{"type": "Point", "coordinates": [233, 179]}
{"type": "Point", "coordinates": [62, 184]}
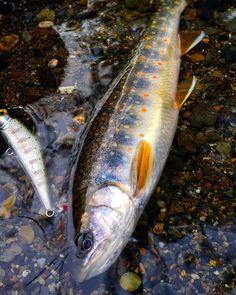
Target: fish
{"type": "Point", "coordinates": [27, 148]}
{"type": "Point", "coordinates": [128, 141]}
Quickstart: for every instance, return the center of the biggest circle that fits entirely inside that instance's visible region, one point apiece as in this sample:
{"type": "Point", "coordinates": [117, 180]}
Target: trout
{"type": "Point", "coordinates": [28, 151]}
{"type": "Point", "coordinates": [128, 142]}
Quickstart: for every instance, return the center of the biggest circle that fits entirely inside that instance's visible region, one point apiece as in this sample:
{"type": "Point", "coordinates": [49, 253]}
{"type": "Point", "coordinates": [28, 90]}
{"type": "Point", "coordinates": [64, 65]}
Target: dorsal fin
{"type": "Point", "coordinates": [184, 90]}
{"type": "Point", "coordinates": [189, 39]}
{"type": "Point", "coordinates": [142, 165]}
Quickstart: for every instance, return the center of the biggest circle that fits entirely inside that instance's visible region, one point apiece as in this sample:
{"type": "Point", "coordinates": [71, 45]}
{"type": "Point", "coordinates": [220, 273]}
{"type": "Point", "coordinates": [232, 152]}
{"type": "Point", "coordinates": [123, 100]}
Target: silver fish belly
{"type": "Point", "coordinates": [27, 149]}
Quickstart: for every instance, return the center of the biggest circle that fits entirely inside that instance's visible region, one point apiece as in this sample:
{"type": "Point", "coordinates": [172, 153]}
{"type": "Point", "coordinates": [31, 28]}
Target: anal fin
{"type": "Point", "coordinates": [184, 90]}
{"type": "Point", "coordinates": [189, 39]}
{"type": "Point", "coordinates": [142, 165]}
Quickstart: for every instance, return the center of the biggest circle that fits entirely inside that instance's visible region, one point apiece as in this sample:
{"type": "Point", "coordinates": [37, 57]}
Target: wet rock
{"type": "Point", "coordinates": [6, 206]}
{"type": "Point", "coordinates": [158, 228]}
{"type": "Point", "coordinates": [203, 115]}
{"type": "Point", "coordinates": [231, 26]}
{"type": "Point", "coordinates": [41, 262]}
{"type": "Point", "coordinates": [130, 281]}
{"type": "Point", "coordinates": [53, 63]}
{"type": "Point", "coordinates": [26, 234]}
{"type": "Point", "coordinates": [228, 52]}
{"type": "Point", "coordinates": [45, 24]}
{"type": "Point", "coordinates": [224, 148]}
{"type": "Point", "coordinates": [45, 15]}
{"type": "Point", "coordinates": [187, 140]}
{"type": "Point", "coordinates": [10, 253]}
{"type": "Point", "coordinates": [26, 36]}
{"type": "Point", "coordinates": [8, 42]}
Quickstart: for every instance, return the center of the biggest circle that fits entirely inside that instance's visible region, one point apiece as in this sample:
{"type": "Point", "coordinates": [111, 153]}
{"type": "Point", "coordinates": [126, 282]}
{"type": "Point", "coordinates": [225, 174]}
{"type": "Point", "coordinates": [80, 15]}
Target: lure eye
{"type": "Point", "coordinates": [84, 243]}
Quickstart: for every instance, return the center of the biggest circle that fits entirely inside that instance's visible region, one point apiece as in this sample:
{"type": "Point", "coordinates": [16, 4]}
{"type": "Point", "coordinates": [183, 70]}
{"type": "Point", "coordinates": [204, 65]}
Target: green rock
{"type": "Point", "coordinates": [224, 148]}
{"type": "Point", "coordinates": [45, 14]}
{"type": "Point", "coordinates": [130, 281]}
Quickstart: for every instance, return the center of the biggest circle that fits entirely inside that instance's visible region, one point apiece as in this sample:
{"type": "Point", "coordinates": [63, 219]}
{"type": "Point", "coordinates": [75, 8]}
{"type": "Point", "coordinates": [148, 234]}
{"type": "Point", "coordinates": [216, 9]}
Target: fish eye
{"type": "Point", "coordinates": [84, 243]}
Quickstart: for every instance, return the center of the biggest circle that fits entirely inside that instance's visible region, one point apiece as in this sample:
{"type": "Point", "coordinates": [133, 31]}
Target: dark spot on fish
{"type": "Point", "coordinates": [141, 83]}
{"type": "Point", "coordinates": [122, 138]}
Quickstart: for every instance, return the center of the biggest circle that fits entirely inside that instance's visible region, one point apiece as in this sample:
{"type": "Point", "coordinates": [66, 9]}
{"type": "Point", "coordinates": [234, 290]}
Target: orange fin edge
{"type": "Point", "coordinates": [142, 165]}
{"type": "Point", "coordinates": [184, 90]}
{"type": "Point", "coordinates": [188, 40]}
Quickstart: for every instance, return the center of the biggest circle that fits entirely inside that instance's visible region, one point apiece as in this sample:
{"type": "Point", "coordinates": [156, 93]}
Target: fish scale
{"type": "Point", "coordinates": [134, 132]}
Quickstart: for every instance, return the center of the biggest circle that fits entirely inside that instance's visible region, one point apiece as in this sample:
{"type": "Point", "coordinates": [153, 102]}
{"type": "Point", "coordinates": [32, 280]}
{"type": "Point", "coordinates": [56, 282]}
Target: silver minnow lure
{"type": "Point", "coordinates": [27, 148]}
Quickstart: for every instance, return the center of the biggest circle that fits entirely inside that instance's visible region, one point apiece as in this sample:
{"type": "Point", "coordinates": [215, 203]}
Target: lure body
{"type": "Point", "coordinates": [27, 148]}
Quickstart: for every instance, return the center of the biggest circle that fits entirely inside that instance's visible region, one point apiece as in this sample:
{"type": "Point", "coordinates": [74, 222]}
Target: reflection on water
{"type": "Point", "coordinates": [186, 239]}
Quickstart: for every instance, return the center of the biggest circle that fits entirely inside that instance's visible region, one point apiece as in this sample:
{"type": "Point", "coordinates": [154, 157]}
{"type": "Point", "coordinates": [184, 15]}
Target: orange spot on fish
{"type": "Point", "coordinates": [142, 57]}
{"type": "Point", "coordinates": [148, 46]}
{"type": "Point", "coordinates": [144, 110]}
{"type": "Point", "coordinates": [139, 74]}
{"type": "Point", "coordinates": [158, 63]}
{"type": "Point", "coordinates": [148, 37]}
{"type": "Point", "coordinates": [165, 39]}
{"type": "Point", "coordinates": [129, 149]}
{"type": "Point", "coordinates": [162, 52]}
{"type": "Point", "coordinates": [154, 76]}
{"type": "Point", "coordinates": [146, 94]}
{"type": "Point", "coordinates": [141, 134]}
{"type": "Point", "coordinates": [119, 168]}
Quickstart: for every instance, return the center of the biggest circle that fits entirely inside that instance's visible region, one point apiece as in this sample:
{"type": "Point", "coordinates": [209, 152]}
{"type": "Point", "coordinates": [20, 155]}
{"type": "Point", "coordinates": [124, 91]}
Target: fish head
{"type": "Point", "coordinates": [107, 224]}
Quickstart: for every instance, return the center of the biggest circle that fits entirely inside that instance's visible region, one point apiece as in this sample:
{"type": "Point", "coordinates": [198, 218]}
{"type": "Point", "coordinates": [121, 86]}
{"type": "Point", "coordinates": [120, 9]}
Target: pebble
{"type": "Point", "coordinates": [45, 14]}
{"type": "Point", "coordinates": [130, 281]}
{"type": "Point", "coordinates": [25, 273]}
{"type": "Point", "coordinates": [188, 141]}
{"type": "Point", "coordinates": [53, 63]}
{"type": "Point", "coordinates": [195, 276]}
{"type": "Point", "coordinates": [228, 52]}
{"type": "Point", "coordinates": [158, 228]}
{"type": "Point", "coordinates": [224, 148]}
{"type": "Point", "coordinates": [45, 24]}
{"type": "Point", "coordinates": [67, 89]}
{"type": "Point", "coordinates": [41, 262]}
{"type": "Point", "coordinates": [12, 251]}
{"type": "Point", "coordinates": [8, 42]}
{"type": "Point", "coordinates": [80, 118]}
{"type": "Point", "coordinates": [26, 36]}
{"type": "Point", "coordinates": [203, 115]}
{"type": "Point", "coordinates": [26, 234]}
{"type": "Point", "coordinates": [6, 206]}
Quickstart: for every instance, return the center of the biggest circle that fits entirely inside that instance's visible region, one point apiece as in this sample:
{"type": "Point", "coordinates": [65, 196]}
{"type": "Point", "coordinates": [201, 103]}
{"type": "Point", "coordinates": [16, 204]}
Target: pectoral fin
{"type": "Point", "coordinates": [142, 165]}
{"type": "Point", "coordinates": [189, 39]}
{"type": "Point", "coordinates": [184, 90]}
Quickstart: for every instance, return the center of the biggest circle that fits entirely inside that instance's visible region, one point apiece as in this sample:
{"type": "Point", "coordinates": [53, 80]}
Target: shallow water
{"type": "Point", "coordinates": [186, 239]}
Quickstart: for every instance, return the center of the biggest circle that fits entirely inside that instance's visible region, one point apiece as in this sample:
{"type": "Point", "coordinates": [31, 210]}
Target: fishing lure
{"type": "Point", "coordinates": [28, 151]}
